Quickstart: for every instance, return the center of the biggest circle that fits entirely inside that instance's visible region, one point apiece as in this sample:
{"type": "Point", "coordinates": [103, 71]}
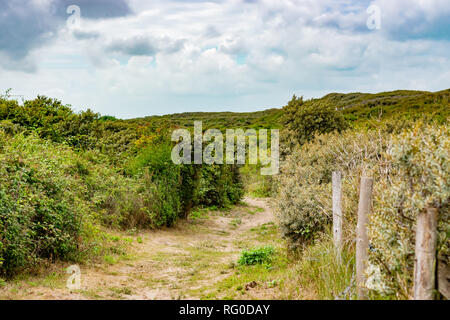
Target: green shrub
{"type": "Point", "coordinates": [163, 178]}
{"type": "Point", "coordinates": [418, 177]}
{"type": "Point", "coordinates": [64, 175]}
{"type": "Point", "coordinates": [304, 120]}
{"type": "Point", "coordinates": [261, 255]}
{"type": "Point", "coordinates": [85, 130]}
{"type": "Point", "coordinates": [176, 189]}
{"type": "Point", "coordinates": [256, 184]}
{"type": "Point", "coordinates": [219, 185]}
{"type": "Point", "coordinates": [52, 201]}
{"type": "Point", "coordinates": [411, 172]}
{"type": "Point", "coordinates": [39, 217]}
{"type": "Point", "coordinates": [303, 203]}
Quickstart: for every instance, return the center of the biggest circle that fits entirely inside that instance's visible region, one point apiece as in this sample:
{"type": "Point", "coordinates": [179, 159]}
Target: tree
{"type": "Point", "coordinates": [303, 120]}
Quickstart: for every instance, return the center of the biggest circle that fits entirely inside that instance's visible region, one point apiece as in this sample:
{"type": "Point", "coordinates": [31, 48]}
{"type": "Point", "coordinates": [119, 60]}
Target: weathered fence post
{"type": "Point", "coordinates": [362, 240]}
{"type": "Point", "coordinates": [443, 274]}
{"type": "Point", "coordinates": [337, 212]}
{"type": "Point", "coordinates": [425, 262]}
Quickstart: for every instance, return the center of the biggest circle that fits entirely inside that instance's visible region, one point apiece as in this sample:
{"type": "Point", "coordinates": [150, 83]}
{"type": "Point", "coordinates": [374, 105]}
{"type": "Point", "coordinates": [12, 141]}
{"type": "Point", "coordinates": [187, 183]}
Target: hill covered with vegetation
{"type": "Point", "coordinates": [357, 108]}
{"type": "Point", "coordinates": [401, 139]}
{"type": "Point", "coordinates": [68, 179]}
{"type": "Point", "coordinates": [220, 120]}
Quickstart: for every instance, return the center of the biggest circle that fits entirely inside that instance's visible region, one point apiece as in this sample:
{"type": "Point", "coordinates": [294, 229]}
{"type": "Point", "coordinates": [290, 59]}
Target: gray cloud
{"type": "Point", "coordinates": [85, 35]}
{"type": "Point", "coordinates": [415, 22]}
{"type": "Point", "coordinates": [26, 25]}
{"type": "Point", "coordinates": [90, 9]}
{"type": "Point", "coordinates": [172, 46]}
{"type": "Point", "coordinates": [235, 53]}
{"type": "Point", "coordinates": [23, 29]}
{"type": "Point", "coordinates": [211, 32]}
{"type": "Point", "coordinates": [25, 65]}
{"type": "Point", "coordinates": [137, 46]}
{"type": "Point", "coordinates": [144, 46]}
{"type": "Point", "coordinates": [400, 20]}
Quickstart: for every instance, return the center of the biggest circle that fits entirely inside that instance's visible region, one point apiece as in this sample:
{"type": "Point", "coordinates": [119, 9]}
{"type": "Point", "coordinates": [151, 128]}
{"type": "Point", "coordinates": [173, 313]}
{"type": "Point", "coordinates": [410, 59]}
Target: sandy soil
{"type": "Point", "coordinates": [167, 264]}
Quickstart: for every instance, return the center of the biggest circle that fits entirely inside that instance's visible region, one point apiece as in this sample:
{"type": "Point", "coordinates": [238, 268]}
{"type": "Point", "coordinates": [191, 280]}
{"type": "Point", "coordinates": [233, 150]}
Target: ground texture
{"type": "Point", "coordinates": [197, 259]}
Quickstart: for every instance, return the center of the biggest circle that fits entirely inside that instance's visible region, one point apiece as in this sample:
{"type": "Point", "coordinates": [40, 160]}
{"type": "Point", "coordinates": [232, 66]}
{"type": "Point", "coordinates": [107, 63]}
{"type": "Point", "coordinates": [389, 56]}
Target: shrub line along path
{"type": "Point", "coordinates": [183, 262]}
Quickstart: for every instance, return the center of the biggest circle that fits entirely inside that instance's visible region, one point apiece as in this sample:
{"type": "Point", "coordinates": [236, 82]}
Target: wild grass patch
{"type": "Point", "coordinates": [259, 255]}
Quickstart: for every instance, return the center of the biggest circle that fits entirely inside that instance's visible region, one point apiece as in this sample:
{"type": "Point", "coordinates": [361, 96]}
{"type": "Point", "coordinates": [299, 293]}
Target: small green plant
{"type": "Point", "coordinates": [235, 222]}
{"type": "Point", "coordinates": [120, 291]}
{"type": "Point", "coordinates": [272, 284]}
{"type": "Point", "coordinates": [260, 255]}
{"type": "Point", "coordinates": [109, 259]}
{"type": "Point", "coordinates": [199, 214]}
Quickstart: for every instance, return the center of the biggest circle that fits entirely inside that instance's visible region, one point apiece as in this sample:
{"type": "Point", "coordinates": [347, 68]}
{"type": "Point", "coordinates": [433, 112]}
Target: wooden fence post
{"type": "Point", "coordinates": [362, 240]}
{"type": "Point", "coordinates": [425, 262]}
{"type": "Point", "coordinates": [337, 212]}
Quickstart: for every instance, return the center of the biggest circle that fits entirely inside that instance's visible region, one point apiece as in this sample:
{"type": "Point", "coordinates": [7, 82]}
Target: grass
{"type": "Point", "coordinates": [321, 271]}
{"type": "Point", "coordinates": [265, 231]}
{"type": "Point", "coordinates": [109, 259]}
{"type": "Point", "coordinates": [260, 255]}
{"type": "Point", "coordinates": [20, 285]}
{"type": "Point", "coordinates": [315, 274]}
{"type": "Point", "coordinates": [218, 120]}
{"type": "Point", "coordinates": [203, 270]}
{"type": "Point", "coordinates": [205, 245]}
{"type": "Point", "coordinates": [91, 294]}
{"type": "Point", "coordinates": [356, 107]}
{"type": "Point", "coordinates": [234, 286]}
{"type": "Point", "coordinates": [119, 291]}
{"type": "Point", "coordinates": [236, 277]}
{"type": "Point", "coordinates": [199, 214]}
{"type": "Point", "coordinates": [236, 222]}
{"type": "Point", "coordinates": [253, 210]}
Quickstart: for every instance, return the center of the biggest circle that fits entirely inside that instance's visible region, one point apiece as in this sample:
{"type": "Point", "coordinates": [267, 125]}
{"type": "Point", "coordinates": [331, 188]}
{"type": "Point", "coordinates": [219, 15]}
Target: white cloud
{"type": "Point", "coordinates": [174, 56]}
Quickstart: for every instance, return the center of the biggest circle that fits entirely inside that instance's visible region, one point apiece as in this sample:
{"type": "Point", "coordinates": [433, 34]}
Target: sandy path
{"type": "Point", "coordinates": [167, 264]}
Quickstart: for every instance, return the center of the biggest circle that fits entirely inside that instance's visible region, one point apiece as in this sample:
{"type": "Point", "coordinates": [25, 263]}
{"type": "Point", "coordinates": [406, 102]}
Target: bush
{"type": "Point", "coordinates": [86, 130]}
{"type": "Point", "coordinates": [63, 176]}
{"type": "Point", "coordinates": [304, 120]}
{"type": "Point", "coordinates": [219, 185]}
{"type": "Point", "coordinates": [176, 189]}
{"type": "Point", "coordinates": [418, 178]}
{"type": "Point", "coordinates": [256, 184]}
{"type": "Point", "coordinates": [163, 178]}
{"type": "Point", "coordinates": [303, 203]}
{"type": "Point", "coordinates": [39, 216]}
{"type": "Point", "coordinates": [261, 255]}
{"type": "Point", "coordinates": [52, 201]}
{"type": "Point", "coordinates": [411, 172]}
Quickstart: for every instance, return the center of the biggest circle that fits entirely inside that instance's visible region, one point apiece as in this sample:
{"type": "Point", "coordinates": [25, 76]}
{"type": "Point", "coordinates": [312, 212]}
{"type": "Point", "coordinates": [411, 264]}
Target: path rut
{"type": "Point", "coordinates": [172, 263]}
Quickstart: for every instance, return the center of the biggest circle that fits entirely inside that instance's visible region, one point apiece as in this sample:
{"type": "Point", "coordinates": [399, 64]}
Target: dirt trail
{"type": "Point", "coordinates": [175, 263]}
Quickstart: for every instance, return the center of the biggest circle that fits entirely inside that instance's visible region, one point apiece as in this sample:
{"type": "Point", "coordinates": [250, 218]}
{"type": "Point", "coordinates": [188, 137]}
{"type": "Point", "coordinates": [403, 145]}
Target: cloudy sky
{"type": "Point", "coordinates": [133, 58]}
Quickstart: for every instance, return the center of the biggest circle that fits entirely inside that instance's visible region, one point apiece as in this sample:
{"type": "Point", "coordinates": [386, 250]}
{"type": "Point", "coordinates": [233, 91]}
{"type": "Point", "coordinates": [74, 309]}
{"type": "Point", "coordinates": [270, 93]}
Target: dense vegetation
{"type": "Point", "coordinates": [220, 120]}
{"type": "Point", "coordinates": [262, 255]}
{"type": "Point", "coordinates": [67, 176]}
{"type": "Point", "coordinates": [402, 140]}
